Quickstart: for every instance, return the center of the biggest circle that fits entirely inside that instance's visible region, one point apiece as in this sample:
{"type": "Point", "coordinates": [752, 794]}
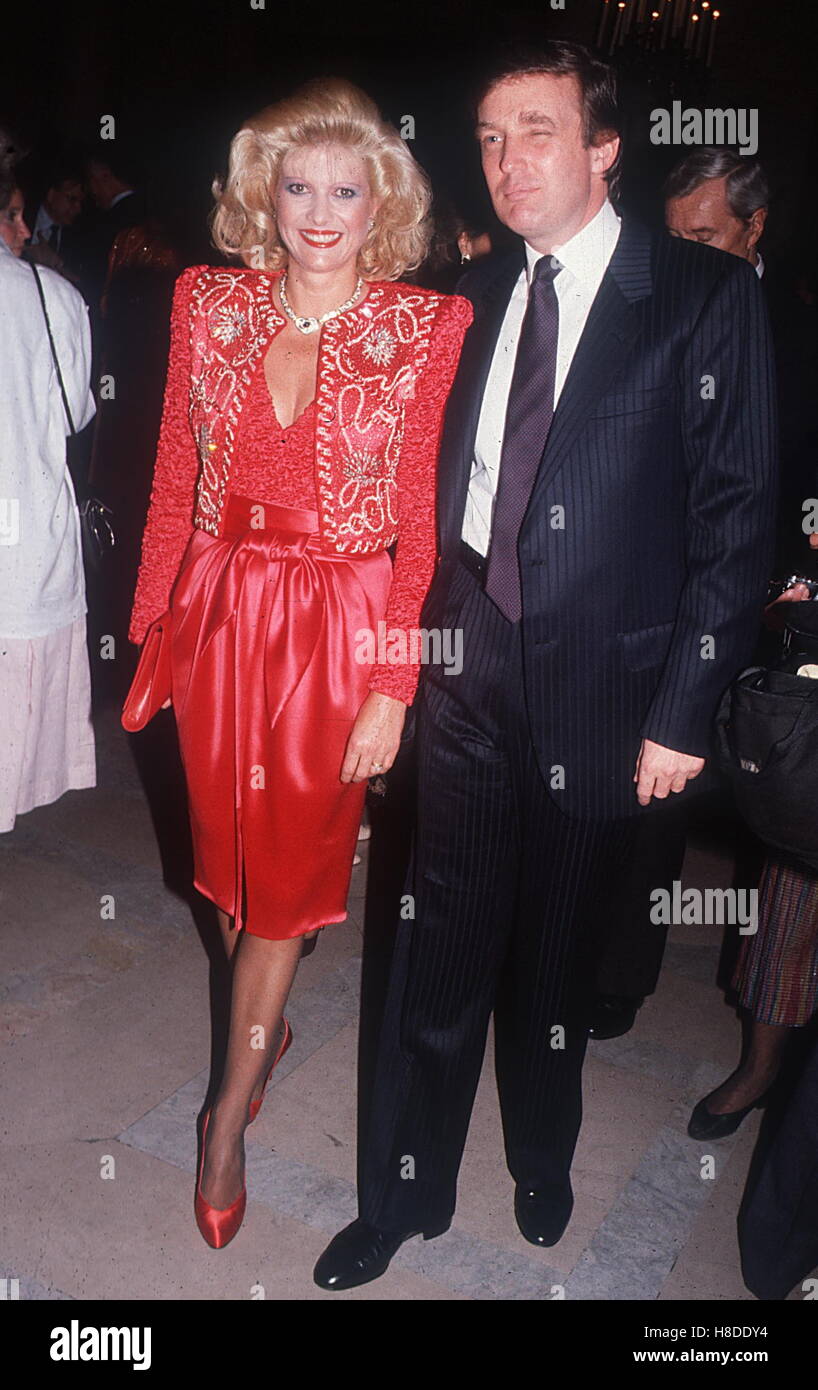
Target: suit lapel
{"type": "Point", "coordinates": [610, 331]}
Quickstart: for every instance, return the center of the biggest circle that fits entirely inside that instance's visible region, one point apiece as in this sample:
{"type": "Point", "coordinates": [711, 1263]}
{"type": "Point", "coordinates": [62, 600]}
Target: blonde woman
{"type": "Point", "coordinates": [303, 408]}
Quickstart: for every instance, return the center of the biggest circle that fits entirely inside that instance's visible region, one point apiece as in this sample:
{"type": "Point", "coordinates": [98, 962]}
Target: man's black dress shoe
{"type": "Point", "coordinates": [543, 1213]}
{"type": "Point", "coordinates": [705, 1125]}
{"type": "Point", "coordinates": [360, 1253]}
{"type": "Point", "coordinates": [613, 1016]}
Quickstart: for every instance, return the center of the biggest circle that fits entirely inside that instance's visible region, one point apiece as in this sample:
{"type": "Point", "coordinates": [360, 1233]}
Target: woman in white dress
{"type": "Point", "coordinates": [45, 688]}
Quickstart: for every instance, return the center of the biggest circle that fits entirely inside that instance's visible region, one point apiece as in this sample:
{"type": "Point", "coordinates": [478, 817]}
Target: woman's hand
{"type": "Point", "coordinates": [372, 745]}
{"type": "Point", "coordinates": [774, 616]}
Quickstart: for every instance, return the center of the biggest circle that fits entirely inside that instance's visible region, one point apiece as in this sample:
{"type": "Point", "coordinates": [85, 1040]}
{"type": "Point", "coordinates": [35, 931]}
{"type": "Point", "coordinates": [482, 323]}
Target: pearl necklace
{"type": "Point", "coordinates": [307, 324]}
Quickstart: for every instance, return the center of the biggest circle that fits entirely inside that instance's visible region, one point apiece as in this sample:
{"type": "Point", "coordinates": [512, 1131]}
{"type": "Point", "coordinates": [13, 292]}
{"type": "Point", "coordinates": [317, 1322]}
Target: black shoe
{"type": "Point", "coordinates": [613, 1016]}
{"type": "Point", "coordinates": [705, 1125]}
{"type": "Point", "coordinates": [543, 1213]}
{"type": "Point", "coordinates": [360, 1253]}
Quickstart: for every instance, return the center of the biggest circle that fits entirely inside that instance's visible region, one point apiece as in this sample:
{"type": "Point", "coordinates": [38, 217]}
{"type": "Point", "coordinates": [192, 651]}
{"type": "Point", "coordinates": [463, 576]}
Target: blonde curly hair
{"type": "Point", "coordinates": [323, 112]}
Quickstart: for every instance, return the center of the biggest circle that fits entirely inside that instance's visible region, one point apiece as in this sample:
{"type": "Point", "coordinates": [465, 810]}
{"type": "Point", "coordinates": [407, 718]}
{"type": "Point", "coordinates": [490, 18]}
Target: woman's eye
{"type": "Point", "coordinates": [346, 192]}
{"type": "Point", "coordinates": [295, 187]}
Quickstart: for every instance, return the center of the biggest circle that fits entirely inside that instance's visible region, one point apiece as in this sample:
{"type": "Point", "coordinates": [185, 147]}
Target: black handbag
{"type": "Point", "coordinates": [767, 741]}
{"type": "Point", "coordinates": [96, 520]}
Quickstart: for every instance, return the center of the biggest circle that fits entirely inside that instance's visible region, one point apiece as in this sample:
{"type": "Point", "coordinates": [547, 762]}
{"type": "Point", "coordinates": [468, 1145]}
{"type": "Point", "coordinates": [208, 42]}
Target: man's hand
{"type": "Point", "coordinates": [44, 254]}
{"type": "Point", "coordinates": [660, 771]}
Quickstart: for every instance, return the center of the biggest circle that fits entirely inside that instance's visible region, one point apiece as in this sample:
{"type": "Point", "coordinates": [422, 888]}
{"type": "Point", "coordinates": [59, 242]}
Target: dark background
{"type": "Point", "coordinates": [181, 76]}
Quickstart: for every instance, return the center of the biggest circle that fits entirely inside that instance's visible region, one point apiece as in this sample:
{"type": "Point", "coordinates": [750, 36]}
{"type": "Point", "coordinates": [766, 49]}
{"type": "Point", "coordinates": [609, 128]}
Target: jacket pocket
{"type": "Point", "coordinates": [619, 403]}
{"type": "Point", "coordinates": [646, 646]}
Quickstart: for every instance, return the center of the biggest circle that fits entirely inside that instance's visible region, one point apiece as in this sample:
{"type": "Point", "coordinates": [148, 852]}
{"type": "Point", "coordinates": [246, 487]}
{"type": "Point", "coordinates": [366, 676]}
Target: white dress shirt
{"type": "Point", "coordinates": [42, 228]}
{"type": "Point", "coordinates": [584, 259]}
{"type": "Point", "coordinates": [42, 587]}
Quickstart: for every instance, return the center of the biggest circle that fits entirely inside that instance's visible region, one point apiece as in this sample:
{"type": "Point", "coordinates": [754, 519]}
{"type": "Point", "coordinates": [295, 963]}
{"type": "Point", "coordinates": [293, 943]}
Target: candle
{"type": "Point", "coordinates": [602, 22]}
{"type": "Point", "coordinates": [666, 18]}
{"type": "Point", "coordinates": [678, 15]}
{"type": "Point", "coordinates": [640, 13]}
{"type": "Point", "coordinates": [696, 39]}
{"type": "Point", "coordinates": [691, 28]}
{"type": "Point", "coordinates": [626, 18]}
{"type": "Point", "coordinates": [618, 25]}
{"type": "Point", "coordinates": [712, 42]}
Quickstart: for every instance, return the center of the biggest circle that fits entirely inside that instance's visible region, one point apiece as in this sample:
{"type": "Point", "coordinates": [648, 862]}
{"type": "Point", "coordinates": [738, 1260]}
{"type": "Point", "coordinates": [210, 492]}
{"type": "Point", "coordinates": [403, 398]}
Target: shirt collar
{"type": "Point", "coordinates": [587, 253]}
{"type": "Point", "coordinates": [44, 221]}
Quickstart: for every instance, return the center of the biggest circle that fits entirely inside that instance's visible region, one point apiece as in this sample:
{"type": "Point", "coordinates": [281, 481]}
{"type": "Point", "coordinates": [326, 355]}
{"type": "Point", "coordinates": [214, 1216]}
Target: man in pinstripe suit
{"type": "Point", "coordinates": [606, 498]}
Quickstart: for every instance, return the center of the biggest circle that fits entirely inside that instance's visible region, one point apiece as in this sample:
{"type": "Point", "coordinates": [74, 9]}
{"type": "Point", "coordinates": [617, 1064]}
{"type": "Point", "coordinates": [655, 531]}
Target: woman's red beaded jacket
{"type": "Point", "coordinates": [384, 373]}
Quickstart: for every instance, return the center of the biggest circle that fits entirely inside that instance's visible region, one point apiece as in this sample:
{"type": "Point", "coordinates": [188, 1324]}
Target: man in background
{"type": "Point", "coordinates": [52, 220]}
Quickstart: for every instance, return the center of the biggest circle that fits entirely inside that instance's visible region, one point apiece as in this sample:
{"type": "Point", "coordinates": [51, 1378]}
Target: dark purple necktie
{"type": "Point", "coordinates": [528, 420]}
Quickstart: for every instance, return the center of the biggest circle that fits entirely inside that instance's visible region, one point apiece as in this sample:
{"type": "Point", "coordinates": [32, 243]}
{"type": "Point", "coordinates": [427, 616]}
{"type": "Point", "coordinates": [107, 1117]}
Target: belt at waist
{"type": "Point", "coordinates": [244, 514]}
{"type": "Point", "coordinates": [474, 562]}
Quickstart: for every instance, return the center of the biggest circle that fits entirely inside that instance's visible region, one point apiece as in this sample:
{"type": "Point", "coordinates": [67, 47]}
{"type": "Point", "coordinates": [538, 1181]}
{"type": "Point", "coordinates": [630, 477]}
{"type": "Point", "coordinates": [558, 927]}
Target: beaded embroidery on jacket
{"type": "Point", "coordinates": [369, 361]}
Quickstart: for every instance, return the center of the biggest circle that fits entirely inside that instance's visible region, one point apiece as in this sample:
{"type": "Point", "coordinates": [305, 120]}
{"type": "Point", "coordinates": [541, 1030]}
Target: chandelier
{"type": "Point", "coordinates": [686, 27]}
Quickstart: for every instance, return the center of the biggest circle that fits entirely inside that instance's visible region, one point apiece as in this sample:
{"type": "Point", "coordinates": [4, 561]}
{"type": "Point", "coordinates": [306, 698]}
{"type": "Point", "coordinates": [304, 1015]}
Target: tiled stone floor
{"type": "Point", "coordinates": [105, 1037]}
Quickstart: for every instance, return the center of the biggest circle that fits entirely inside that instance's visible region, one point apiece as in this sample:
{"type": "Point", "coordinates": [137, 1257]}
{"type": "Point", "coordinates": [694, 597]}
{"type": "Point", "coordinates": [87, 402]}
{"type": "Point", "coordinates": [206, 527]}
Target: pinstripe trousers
{"type": "Point", "coordinates": [506, 893]}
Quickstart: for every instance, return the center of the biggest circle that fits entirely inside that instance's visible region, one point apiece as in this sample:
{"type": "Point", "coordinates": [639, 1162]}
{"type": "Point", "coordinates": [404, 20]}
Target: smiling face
{"type": "Point", "coordinates": [323, 206]}
{"type": "Point", "coordinates": [544, 183]}
{"type": "Point", "coordinates": [705, 215]}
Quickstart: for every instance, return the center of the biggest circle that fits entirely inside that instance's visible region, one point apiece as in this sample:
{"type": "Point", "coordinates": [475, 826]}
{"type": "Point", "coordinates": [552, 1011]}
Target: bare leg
{"type": "Point", "coordinates": [755, 1073]}
{"type": "Point", "coordinates": [263, 973]}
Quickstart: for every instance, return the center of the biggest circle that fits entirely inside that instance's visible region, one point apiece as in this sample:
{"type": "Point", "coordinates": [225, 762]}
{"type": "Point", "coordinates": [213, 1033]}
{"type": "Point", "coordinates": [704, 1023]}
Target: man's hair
{"type": "Point", "coordinates": [124, 163]}
{"type": "Point", "coordinates": [61, 170]}
{"type": "Point", "coordinates": [746, 187]}
{"type": "Point", "coordinates": [559, 58]}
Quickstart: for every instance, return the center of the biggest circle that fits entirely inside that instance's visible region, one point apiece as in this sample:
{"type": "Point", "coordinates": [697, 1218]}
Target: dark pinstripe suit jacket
{"type": "Point", "coordinates": [647, 541]}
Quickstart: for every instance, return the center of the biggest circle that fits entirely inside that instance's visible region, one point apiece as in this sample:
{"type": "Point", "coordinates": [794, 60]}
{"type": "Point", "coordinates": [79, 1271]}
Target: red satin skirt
{"type": "Point", "coordinates": [266, 689]}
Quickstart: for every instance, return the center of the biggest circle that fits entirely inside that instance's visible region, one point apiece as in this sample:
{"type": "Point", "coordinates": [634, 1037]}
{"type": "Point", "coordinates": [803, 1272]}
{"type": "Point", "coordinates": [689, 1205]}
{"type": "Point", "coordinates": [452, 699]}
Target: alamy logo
{"type": "Point", "coordinates": [705, 907]}
{"type": "Point", "coordinates": [9, 520]}
{"type": "Point", "coordinates": [736, 126]}
{"type": "Point", "coordinates": [75, 1343]}
{"type": "Point", "coordinates": [398, 646]}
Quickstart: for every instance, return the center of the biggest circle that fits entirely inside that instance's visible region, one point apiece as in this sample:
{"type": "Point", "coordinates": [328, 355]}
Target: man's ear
{"type": "Point", "coordinates": [604, 154]}
{"type": "Point", "coordinates": [757, 222]}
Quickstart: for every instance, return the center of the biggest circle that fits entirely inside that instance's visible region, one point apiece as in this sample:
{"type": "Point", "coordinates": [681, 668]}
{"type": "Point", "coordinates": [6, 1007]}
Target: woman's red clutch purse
{"type": "Point", "coordinates": [151, 685]}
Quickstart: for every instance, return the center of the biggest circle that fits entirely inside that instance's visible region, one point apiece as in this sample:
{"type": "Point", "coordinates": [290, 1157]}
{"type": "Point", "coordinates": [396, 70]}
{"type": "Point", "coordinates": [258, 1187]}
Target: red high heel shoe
{"type": "Point", "coordinates": [218, 1225]}
{"type": "Point", "coordinates": [255, 1105]}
